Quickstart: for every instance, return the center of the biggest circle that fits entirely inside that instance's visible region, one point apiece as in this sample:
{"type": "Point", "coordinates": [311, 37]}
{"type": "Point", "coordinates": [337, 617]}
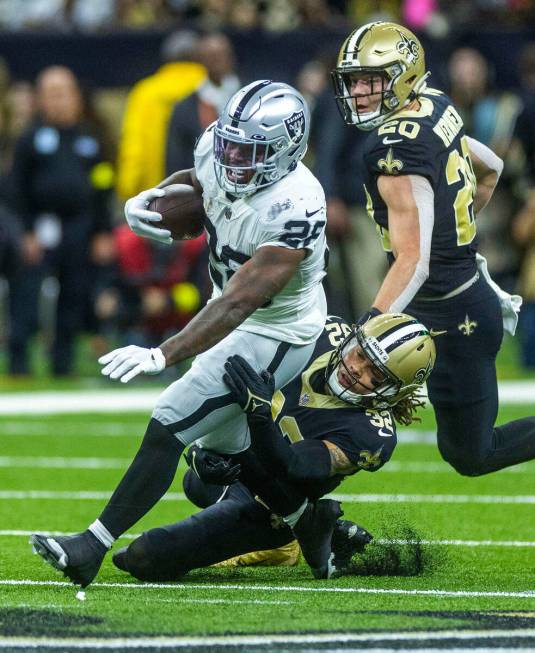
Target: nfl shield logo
{"type": "Point", "coordinates": [295, 126]}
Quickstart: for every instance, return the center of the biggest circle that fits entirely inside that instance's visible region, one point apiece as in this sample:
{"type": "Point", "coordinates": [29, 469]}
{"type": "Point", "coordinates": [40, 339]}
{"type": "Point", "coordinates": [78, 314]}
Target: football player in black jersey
{"type": "Point", "coordinates": [335, 419]}
{"type": "Point", "coordinates": [425, 182]}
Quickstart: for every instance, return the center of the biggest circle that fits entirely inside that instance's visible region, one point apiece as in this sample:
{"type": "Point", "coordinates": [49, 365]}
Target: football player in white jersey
{"type": "Point", "coordinates": [266, 233]}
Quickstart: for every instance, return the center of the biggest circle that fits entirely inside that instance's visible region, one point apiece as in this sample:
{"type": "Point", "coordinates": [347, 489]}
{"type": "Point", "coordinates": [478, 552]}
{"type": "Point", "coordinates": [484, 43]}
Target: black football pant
{"type": "Point", "coordinates": [463, 387]}
{"type": "Point", "coordinates": [225, 528]}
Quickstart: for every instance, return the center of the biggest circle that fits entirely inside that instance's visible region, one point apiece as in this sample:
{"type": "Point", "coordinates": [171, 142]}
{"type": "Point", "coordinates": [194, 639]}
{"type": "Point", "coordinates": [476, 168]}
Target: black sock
{"type": "Point", "coordinates": [145, 481]}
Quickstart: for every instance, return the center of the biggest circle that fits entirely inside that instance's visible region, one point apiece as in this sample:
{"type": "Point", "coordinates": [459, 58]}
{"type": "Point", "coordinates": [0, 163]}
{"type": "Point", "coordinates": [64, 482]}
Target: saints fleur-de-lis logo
{"type": "Point", "coordinates": [467, 327]}
{"type": "Point", "coordinates": [408, 47]}
{"type": "Point", "coordinates": [369, 460]}
{"type": "Point", "coordinates": [390, 165]}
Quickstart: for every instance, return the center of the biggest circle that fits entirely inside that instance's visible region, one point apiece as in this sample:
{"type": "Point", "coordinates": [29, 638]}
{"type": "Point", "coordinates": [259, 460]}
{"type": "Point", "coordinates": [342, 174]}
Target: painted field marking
{"type": "Point", "coordinates": [46, 462]}
{"type": "Point", "coordinates": [467, 543]}
{"type": "Point", "coordinates": [266, 640]}
{"type": "Point", "coordinates": [116, 399]}
{"type": "Point", "coordinates": [59, 462]}
{"type": "Point", "coordinates": [348, 498]}
{"type": "Point", "coordinates": [527, 594]}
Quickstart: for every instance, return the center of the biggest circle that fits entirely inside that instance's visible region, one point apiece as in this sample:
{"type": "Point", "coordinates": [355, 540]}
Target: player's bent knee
{"type": "Point", "coordinates": [466, 464]}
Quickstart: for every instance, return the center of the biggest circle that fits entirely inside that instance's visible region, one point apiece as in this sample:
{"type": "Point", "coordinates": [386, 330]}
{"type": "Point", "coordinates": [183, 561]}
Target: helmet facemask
{"type": "Point", "coordinates": [381, 49]}
{"type": "Point", "coordinates": [399, 348]}
{"type": "Point", "coordinates": [382, 394]}
{"type": "Point", "coordinates": [243, 165]}
{"type": "Point", "coordinates": [260, 137]}
{"type": "Point", "coordinates": [382, 83]}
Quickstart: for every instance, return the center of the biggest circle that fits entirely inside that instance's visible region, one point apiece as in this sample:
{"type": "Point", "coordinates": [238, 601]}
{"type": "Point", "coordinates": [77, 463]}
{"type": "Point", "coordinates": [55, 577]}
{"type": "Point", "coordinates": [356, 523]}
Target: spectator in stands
{"type": "Point", "coordinates": [141, 161]}
{"type": "Point", "coordinates": [489, 116]}
{"type": "Point", "coordinates": [524, 235]}
{"type": "Point", "coordinates": [350, 285]}
{"type": "Point", "coordinates": [61, 185]}
{"type": "Point", "coordinates": [524, 132]}
{"type": "Point", "coordinates": [193, 114]}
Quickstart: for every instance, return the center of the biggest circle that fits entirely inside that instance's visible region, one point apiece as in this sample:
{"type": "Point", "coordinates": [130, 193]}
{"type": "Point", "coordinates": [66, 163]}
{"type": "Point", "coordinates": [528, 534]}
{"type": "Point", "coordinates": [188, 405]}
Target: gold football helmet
{"type": "Point", "coordinates": [392, 59]}
{"type": "Point", "coordinates": [401, 349]}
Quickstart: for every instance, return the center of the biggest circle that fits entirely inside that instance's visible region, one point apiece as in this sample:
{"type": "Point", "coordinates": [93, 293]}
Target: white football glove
{"type": "Point", "coordinates": [127, 362]}
{"type": "Point", "coordinates": [140, 220]}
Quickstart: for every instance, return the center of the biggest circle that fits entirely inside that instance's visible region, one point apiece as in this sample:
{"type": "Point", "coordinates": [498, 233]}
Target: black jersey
{"type": "Point", "coordinates": [304, 409]}
{"type": "Point", "coordinates": [429, 142]}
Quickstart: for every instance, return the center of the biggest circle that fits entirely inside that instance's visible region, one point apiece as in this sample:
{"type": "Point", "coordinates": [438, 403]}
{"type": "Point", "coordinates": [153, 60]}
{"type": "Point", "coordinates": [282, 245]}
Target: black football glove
{"type": "Point", "coordinates": [373, 312]}
{"type": "Point", "coordinates": [252, 391]}
{"type": "Point", "coordinates": [211, 467]}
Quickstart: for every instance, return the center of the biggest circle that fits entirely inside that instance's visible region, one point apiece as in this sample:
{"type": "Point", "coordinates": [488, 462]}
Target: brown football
{"type": "Point", "coordinates": [182, 211]}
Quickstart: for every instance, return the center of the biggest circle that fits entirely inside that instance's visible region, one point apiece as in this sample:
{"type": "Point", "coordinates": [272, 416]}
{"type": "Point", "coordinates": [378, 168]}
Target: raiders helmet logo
{"type": "Point", "coordinates": [408, 47]}
{"type": "Point", "coordinates": [295, 126]}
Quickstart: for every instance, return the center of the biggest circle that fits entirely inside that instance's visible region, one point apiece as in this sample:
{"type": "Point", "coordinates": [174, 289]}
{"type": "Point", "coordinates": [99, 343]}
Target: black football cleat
{"type": "Point", "coordinates": [78, 557]}
{"type": "Point", "coordinates": [119, 559]}
{"type": "Point", "coordinates": [348, 539]}
{"type": "Point", "coordinates": [314, 532]}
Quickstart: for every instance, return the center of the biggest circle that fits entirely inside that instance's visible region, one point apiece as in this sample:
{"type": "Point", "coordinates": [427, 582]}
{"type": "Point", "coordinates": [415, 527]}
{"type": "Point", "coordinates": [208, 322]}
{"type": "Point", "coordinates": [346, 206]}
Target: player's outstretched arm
{"type": "Point", "coordinates": [255, 283]}
{"type": "Point", "coordinates": [487, 169]}
{"type": "Point", "coordinates": [306, 460]}
{"type": "Point", "coordinates": [410, 203]}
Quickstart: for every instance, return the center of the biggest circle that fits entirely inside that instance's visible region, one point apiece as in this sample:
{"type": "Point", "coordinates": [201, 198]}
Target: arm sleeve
{"type": "Point", "coordinates": [307, 460]}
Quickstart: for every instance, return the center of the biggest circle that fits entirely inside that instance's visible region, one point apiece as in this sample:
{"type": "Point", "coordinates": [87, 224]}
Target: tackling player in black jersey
{"type": "Point", "coordinates": [335, 419]}
{"type": "Point", "coordinates": [425, 182]}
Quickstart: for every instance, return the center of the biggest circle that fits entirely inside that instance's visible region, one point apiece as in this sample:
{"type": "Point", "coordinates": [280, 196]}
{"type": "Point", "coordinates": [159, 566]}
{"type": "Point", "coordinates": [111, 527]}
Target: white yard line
{"type": "Point", "coordinates": [48, 462]}
{"type": "Point", "coordinates": [63, 463]}
{"type": "Point", "coordinates": [118, 399]}
{"type": "Point", "coordinates": [219, 587]}
{"type": "Point", "coordinates": [348, 498]}
{"type": "Point", "coordinates": [460, 636]}
{"type": "Point", "coordinates": [467, 543]}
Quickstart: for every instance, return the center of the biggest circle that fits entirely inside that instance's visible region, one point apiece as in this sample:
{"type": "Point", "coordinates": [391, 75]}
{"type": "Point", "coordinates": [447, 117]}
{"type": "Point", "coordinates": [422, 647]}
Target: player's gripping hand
{"type": "Point", "coordinates": [127, 362]}
{"type": "Point", "coordinates": [212, 467]}
{"type": "Point", "coordinates": [373, 312]}
{"type": "Point", "coordinates": [140, 219]}
{"type": "Point", "coordinates": [252, 391]}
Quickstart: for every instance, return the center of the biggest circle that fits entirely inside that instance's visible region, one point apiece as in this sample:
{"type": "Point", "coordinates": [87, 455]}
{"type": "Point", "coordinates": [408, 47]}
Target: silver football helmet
{"type": "Point", "coordinates": [260, 137]}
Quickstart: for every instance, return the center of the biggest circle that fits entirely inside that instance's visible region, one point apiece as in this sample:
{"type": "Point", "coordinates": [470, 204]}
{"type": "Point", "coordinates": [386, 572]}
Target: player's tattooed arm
{"type": "Point", "coordinates": [340, 463]}
{"type": "Point", "coordinates": [254, 284]}
{"type": "Point", "coordinates": [187, 177]}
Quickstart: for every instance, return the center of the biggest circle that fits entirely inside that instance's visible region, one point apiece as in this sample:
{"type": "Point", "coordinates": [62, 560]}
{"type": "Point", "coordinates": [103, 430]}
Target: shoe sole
{"type": "Point", "coordinates": [50, 551]}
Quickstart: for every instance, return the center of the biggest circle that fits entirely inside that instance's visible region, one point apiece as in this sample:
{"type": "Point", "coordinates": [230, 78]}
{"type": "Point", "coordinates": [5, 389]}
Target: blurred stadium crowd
{"type": "Point", "coordinates": [70, 158]}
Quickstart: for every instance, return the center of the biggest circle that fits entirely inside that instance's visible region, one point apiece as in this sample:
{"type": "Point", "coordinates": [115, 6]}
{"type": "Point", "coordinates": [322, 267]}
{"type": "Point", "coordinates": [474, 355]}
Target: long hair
{"type": "Point", "coordinates": [404, 411]}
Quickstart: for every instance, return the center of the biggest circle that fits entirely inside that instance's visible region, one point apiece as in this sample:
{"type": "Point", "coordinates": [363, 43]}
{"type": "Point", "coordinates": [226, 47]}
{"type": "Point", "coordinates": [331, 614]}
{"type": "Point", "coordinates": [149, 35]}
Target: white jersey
{"type": "Point", "coordinates": [290, 213]}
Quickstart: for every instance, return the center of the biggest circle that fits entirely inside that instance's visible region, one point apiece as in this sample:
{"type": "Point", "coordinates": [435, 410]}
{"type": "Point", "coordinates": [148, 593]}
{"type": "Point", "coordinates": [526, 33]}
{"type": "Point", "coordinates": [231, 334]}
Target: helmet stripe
{"type": "Point", "coordinates": [245, 99]}
{"type": "Point", "coordinates": [353, 44]}
{"type": "Point", "coordinates": [401, 335]}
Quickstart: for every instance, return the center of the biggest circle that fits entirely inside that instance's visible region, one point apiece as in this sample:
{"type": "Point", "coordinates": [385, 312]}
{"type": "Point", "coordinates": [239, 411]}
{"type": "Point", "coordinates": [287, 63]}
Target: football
{"type": "Point", "coordinates": [182, 211]}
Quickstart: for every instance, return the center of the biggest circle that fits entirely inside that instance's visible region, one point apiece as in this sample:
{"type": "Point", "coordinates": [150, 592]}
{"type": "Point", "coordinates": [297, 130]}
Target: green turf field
{"type": "Point", "coordinates": [472, 575]}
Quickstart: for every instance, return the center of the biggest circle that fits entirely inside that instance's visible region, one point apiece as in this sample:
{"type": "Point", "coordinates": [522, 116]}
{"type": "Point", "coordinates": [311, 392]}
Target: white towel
{"type": "Point", "coordinates": [510, 304]}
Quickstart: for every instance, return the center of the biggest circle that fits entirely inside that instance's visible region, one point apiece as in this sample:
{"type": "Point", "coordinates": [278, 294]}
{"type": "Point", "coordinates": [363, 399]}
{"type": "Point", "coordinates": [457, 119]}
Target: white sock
{"type": "Point", "coordinates": [292, 519]}
{"type": "Point", "coordinates": [102, 534]}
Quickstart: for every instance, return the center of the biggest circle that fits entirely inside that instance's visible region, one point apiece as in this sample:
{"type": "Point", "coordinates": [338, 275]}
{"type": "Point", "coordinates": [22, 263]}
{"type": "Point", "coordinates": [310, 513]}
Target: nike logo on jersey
{"type": "Point", "coordinates": [384, 434]}
{"type": "Point", "coordinates": [309, 215]}
{"type": "Point", "coordinates": [390, 141]}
